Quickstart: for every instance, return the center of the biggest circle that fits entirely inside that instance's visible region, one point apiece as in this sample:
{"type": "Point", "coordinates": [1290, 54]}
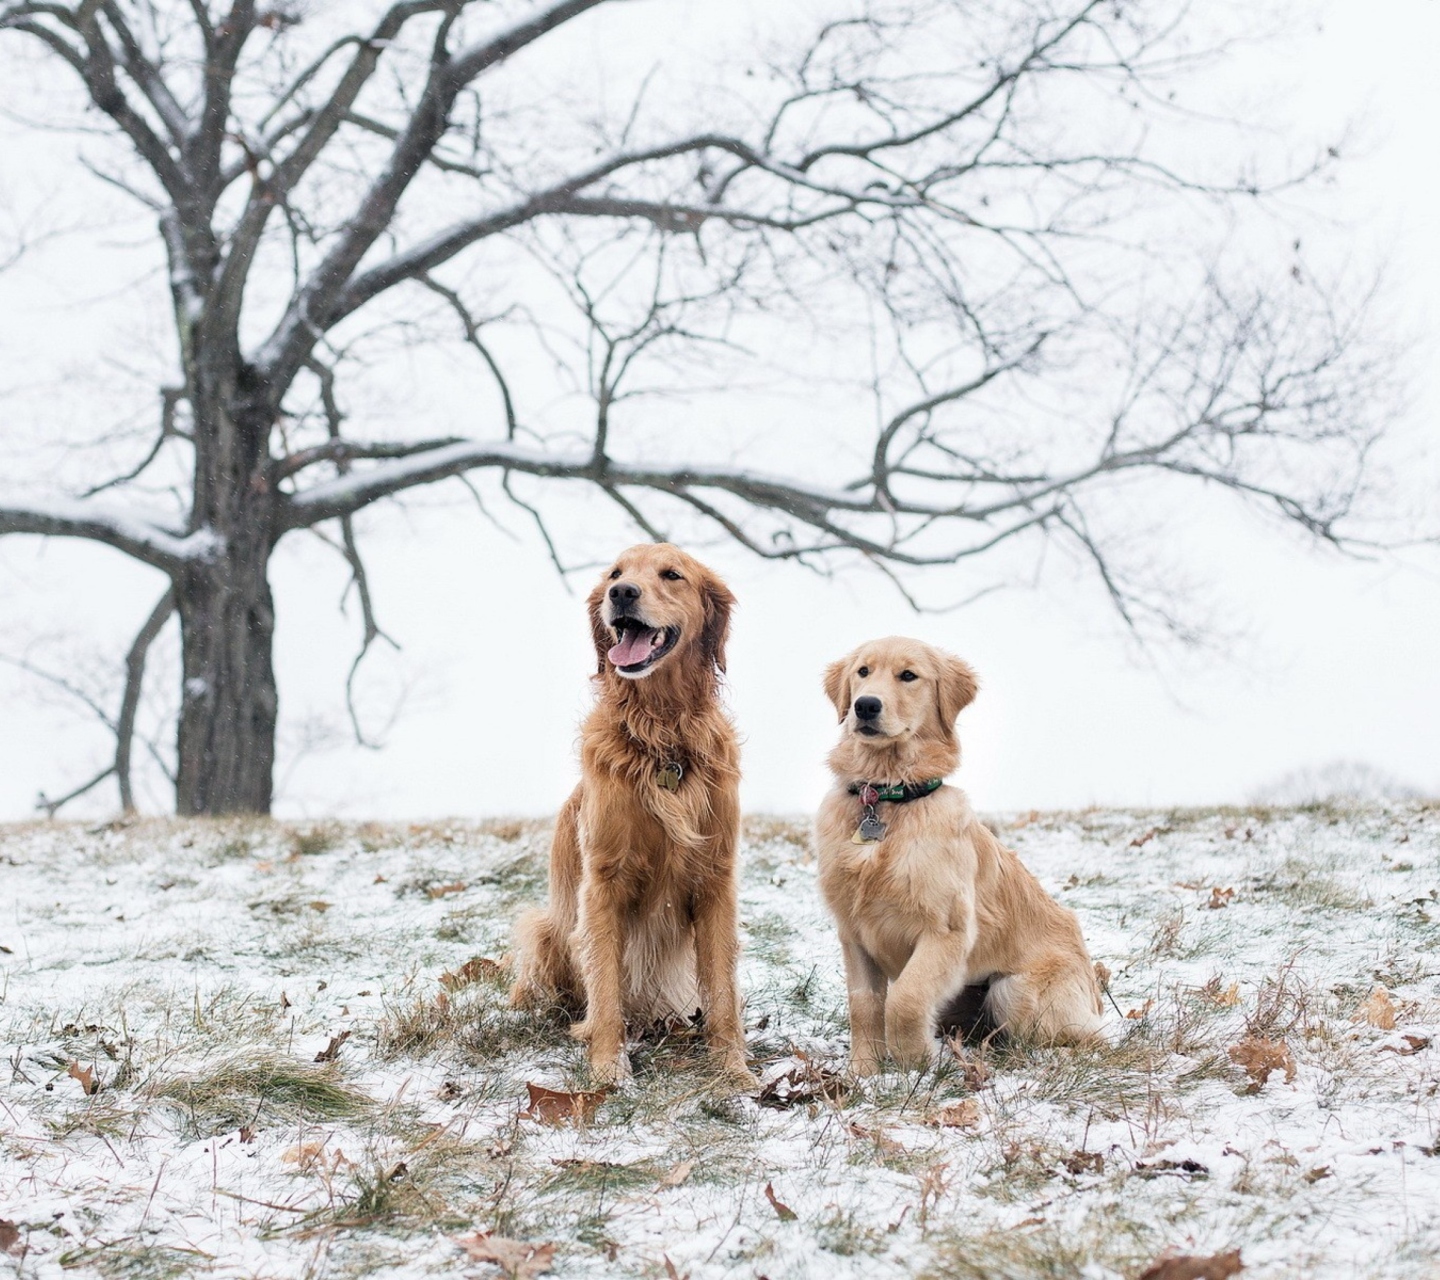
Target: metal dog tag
{"type": "Point", "coordinates": [870, 830]}
{"type": "Point", "coordinates": [669, 777]}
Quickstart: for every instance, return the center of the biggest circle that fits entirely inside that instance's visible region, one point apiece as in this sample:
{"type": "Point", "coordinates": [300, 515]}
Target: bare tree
{"type": "Point", "coordinates": [975, 195]}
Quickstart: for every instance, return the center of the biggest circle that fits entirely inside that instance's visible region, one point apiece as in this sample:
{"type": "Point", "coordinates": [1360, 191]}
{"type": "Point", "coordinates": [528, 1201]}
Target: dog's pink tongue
{"type": "Point", "coordinates": [635, 647]}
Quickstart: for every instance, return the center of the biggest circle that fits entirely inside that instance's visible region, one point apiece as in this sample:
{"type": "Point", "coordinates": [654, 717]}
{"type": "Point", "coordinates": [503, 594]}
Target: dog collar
{"type": "Point", "coordinates": [871, 828]}
{"type": "Point", "coordinates": [872, 793]}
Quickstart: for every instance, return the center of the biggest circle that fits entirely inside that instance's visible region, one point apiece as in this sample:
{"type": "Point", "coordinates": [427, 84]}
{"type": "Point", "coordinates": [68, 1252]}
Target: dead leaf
{"type": "Point", "coordinates": [554, 1106]}
{"type": "Point", "coordinates": [86, 1076]}
{"type": "Point", "coordinates": [975, 1072]}
{"type": "Point", "coordinates": [440, 890]}
{"type": "Point", "coordinates": [1218, 1266]}
{"type": "Point", "coordinates": [284, 1002]}
{"type": "Point", "coordinates": [884, 1143]}
{"type": "Point", "coordinates": [964, 1114]}
{"type": "Point", "coordinates": [782, 1211]}
{"type": "Point", "coordinates": [1320, 1171]}
{"type": "Point", "coordinates": [1190, 1168]}
{"type": "Point", "coordinates": [247, 1134]}
{"type": "Point", "coordinates": [319, 905]}
{"type": "Point", "coordinates": [9, 1236]}
{"type": "Point", "coordinates": [1078, 1162]}
{"type": "Point", "coordinates": [670, 1272]}
{"type": "Point", "coordinates": [1220, 898]}
{"type": "Point", "coordinates": [1142, 1012]}
{"type": "Point", "coordinates": [332, 1050]}
{"type": "Point", "coordinates": [1226, 997]}
{"type": "Point", "coordinates": [518, 1259]}
{"type": "Point", "coordinates": [1413, 1045]}
{"type": "Point", "coordinates": [1102, 975]}
{"type": "Point", "coordinates": [675, 1176]}
{"type": "Point", "coordinates": [793, 1081]}
{"type": "Point", "coordinates": [304, 1155]}
{"type": "Point", "coordinates": [1378, 1010]}
{"type": "Point", "coordinates": [471, 971]}
{"type": "Point", "coordinates": [1145, 839]}
{"type": "Point", "coordinates": [1259, 1057]}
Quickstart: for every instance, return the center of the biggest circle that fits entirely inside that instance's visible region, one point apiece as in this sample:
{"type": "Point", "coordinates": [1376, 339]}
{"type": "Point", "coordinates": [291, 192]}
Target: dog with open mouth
{"type": "Point", "coordinates": [942, 927]}
{"type": "Point", "coordinates": [641, 924]}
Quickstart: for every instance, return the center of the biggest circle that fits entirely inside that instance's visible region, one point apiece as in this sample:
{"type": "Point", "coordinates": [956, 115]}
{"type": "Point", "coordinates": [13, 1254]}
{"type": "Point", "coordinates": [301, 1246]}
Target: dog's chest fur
{"type": "Point", "coordinates": [911, 882]}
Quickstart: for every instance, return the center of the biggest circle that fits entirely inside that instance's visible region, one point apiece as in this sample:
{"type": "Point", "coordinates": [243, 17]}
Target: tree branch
{"type": "Point", "coordinates": [143, 538]}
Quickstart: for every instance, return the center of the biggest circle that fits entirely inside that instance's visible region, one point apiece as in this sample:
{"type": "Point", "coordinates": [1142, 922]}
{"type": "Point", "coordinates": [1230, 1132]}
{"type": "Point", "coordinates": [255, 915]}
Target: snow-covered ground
{"type": "Point", "coordinates": [196, 971]}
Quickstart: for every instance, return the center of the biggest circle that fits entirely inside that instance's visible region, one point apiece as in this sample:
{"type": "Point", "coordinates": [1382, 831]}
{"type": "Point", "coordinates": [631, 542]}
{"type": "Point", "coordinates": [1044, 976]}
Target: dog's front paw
{"type": "Point", "coordinates": [612, 1070]}
{"type": "Point", "coordinates": [864, 1063]}
{"type": "Point", "coordinates": [736, 1076]}
{"type": "Point", "coordinates": [913, 1051]}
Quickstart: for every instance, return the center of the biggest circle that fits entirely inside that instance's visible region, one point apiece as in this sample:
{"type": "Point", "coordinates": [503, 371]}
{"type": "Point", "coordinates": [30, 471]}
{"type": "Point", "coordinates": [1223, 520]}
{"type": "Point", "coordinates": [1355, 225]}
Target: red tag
{"type": "Point", "coordinates": [868, 795]}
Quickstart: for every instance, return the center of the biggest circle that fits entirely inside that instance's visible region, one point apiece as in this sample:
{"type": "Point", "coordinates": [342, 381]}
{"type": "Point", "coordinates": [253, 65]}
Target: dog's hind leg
{"type": "Point", "coordinates": [1052, 1001]}
{"type": "Point", "coordinates": [545, 972]}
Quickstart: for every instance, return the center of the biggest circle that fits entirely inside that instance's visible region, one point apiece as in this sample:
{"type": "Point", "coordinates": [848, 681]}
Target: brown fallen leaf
{"type": "Point", "coordinates": [471, 971]}
{"type": "Point", "coordinates": [673, 1177]}
{"type": "Point", "coordinates": [1225, 997]}
{"type": "Point", "coordinates": [782, 1211]}
{"type": "Point", "coordinates": [332, 1050]}
{"type": "Point", "coordinates": [1078, 1162]}
{"type": "Point", "coordinates": [1102, 975]}
{"type": "Point", "coordinates": [319, 905]}
{"type": "Point", "coordinates": [247, 1134]}
{"type": "Point", "coordinates": [304, 1155]}
{"type": "Point", "coordinates": [1145, 839]}
{"type": "Point", "coordinates": [884, 1143]}
{"type": "Point", "coordinates": [1260, 1057]}
{"type": "Point", "coordinates": [1142, 1012]}
{"type": "Point", "coordinates": [973, 1071]}
{"type": "Point", "coordinates": [85, 1075]}
{"type": "Point", "coordinates": [284, 1002]}
{"type": "Point", "coordinates": [440, 890]}
{"type": "Point", "coordinates": [1180, 1266]}
{"type": "Point", "coordinates": [1413, 1045]}
{"type": "Point", "coordinates": [9, 1236]}
{"type": "Point", "coordinates": [670, 1272]}
{"type": "Point", "coordinates": [1220, 898]}
{"type": "Point", "coordinates": [964, 1114]}
{"type": "Point", "coordinates": [518, 1259]}
{"type": "Point", "coordinates": [1378, 1010]}
{"type": "Point", "coordinates": [799, 1080]}
{"type": "Point", "coordinates": [1320, 1171]}
{"type": "Point", "coordinates": [554, 1106]}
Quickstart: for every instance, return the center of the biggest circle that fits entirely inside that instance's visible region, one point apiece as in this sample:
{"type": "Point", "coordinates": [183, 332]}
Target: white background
{"type": "Point", "coordinates": [1322, 657]}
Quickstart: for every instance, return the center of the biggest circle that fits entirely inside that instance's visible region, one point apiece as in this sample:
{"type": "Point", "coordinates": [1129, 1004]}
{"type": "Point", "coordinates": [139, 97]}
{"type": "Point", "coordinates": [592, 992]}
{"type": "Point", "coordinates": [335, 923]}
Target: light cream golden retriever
{"type": "Point", "coordinates": [641, 924]}
{"type": "Point", "coordinates": [934, 913]}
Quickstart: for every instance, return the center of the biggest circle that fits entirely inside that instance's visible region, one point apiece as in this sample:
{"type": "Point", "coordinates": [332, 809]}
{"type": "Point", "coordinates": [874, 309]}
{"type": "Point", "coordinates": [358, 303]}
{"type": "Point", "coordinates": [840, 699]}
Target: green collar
{"type": "Point", "coordinates": [873, 793]}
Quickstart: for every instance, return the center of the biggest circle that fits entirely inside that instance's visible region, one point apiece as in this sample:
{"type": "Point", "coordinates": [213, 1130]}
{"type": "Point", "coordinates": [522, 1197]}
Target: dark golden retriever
{"type": "Point", "coordinates": [935, 914]}
{"type": "Point", "coordinates": [641, 924]}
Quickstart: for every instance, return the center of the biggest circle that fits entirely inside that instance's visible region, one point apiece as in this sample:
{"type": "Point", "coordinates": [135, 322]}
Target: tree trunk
{"type": "Point", "coordinates": [229, 702]}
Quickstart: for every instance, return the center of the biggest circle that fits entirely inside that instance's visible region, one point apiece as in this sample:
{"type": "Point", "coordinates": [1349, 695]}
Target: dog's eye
{"type": "Point", "coordinates": [671, 576]}
{"type": "Point", "coordinates": [863, 672]}
{"type": "Point", "coordinates": [614, 573]}
{"type": "Point", "coordinates": [908, 676]}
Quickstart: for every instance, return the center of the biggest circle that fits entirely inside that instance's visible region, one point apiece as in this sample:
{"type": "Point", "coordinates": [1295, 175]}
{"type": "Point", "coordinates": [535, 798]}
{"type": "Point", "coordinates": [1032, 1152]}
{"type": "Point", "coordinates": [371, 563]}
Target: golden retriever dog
{"type": "Point", "coordinates": [935, 914]}
{"type": "Point", "coordinates": [641, 923]}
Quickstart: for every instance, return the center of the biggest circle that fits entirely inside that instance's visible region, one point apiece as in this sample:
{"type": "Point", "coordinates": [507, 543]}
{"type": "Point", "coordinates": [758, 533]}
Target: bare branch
{"type": "Point", "coordinates": [130, 700]}
{"type": "Point", "coordinates": [141, 537]}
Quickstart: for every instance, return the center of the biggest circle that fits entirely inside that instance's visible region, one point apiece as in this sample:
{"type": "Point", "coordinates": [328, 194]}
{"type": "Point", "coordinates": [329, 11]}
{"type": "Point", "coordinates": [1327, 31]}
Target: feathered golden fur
{"type": "Point", "coordinates": [938, 905]}
{"type": "Point", "coordinates": [641, 923]}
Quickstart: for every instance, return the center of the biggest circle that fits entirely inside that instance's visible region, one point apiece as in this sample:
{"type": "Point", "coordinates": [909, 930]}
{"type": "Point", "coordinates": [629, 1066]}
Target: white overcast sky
{"type": "Point", "coordinates": [1326, 658]}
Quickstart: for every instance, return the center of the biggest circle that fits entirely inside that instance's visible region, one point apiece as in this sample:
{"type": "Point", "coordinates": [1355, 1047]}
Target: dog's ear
{"type": "Point", "coordinates": [719, 601]}
{"type": "Point", "coordinates": [837, 686]}
{"type": "Point", "coordinates": [603, 637]}
{"type": "Point", "coordinates": [954, 690]}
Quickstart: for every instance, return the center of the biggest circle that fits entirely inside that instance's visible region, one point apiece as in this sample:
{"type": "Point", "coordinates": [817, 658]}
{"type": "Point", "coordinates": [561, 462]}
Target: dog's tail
{"type": "Point", "coordinates": [544, 971]}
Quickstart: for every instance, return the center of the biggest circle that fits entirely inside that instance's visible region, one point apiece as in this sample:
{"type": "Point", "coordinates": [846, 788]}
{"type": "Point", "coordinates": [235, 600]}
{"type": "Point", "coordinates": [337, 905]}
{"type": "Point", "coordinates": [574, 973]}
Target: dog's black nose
{"type": "Point", "coordinates": [623, 593]}
{"type": "Point", "coordinates": [867, 708]}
